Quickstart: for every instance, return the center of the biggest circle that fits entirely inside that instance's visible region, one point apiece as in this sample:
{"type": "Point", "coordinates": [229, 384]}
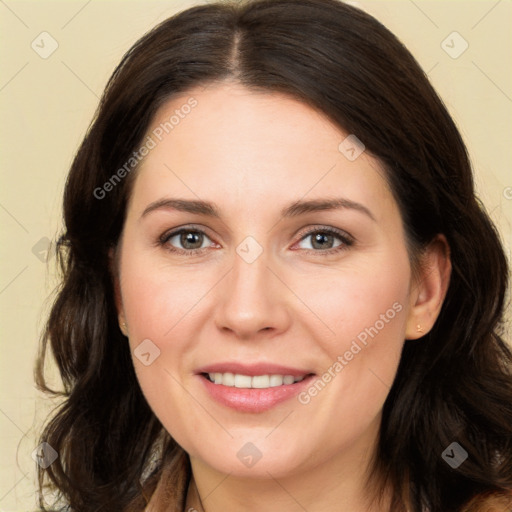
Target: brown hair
{"type": "Point", "coordinates": [496, 502]}
{"type": "Point", "coordinates": [453, 386]}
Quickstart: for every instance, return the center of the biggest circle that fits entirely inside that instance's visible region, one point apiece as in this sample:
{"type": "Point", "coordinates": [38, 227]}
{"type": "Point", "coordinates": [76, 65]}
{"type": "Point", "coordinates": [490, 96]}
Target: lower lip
{"type": "Point", "coordinates": [253, 400]}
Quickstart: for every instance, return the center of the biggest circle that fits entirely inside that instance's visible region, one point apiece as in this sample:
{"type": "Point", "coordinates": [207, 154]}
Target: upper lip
{"type": "Point", "coordinates": [252, 369]}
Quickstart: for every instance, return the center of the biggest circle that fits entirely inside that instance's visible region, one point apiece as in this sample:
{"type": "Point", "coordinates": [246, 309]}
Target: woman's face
{"type": "Point", "coordinates": [296, 309]}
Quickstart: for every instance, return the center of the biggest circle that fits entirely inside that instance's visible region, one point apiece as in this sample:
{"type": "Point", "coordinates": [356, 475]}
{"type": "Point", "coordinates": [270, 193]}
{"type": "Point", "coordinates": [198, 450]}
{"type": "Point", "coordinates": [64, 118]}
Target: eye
{"type": "Point", "coordinates": [326, 240]}
{"type": "Point", "coordinates": [322, 241]}
{"type": "Point", "coordinates": [186, 241]}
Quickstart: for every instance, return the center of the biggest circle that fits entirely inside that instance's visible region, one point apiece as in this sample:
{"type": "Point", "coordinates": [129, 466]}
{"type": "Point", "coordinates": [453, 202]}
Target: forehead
{"type": "Point", "coordinates": [230, 121]}
{"type": "Point", "coordinates": [239, 145]}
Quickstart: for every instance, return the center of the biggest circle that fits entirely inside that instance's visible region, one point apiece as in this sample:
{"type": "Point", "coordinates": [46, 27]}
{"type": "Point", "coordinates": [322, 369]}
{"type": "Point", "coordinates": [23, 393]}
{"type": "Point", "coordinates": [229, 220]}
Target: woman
{"type": "Point", "coordinates": [280, 291]}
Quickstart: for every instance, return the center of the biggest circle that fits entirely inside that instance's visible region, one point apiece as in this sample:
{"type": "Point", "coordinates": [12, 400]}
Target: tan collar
{"type": "Point", "coordinates": [171, 490]}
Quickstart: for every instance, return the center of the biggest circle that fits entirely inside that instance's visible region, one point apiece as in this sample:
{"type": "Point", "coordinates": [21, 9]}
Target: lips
{"type": "Point", "coordinates": [255, 387]}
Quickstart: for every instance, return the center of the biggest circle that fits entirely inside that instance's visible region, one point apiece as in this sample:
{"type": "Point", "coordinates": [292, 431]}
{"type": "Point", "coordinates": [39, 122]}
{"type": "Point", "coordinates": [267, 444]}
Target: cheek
{"type": "Point", "coordinates": [159, 303]}
{"type": "Point", "coordinates": [157, 296]}
{"type": "Point", "coordinates": [362, 304]}
{"type": "Point", "coordinates": [357, 301]}
{"type": "Point", "coordinates": [365, 309]}
{"type": "Point", "coordinates": [365, 302]}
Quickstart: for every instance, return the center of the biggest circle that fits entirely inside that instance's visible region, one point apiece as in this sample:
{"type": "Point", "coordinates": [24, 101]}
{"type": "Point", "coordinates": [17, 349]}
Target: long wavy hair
{"type": "Point", "coordinates": [455, 385]}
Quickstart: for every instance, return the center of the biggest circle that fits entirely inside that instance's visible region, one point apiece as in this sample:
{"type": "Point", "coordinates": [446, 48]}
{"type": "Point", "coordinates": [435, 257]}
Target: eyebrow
{"type": "Point", "coordinates": [295, 209]}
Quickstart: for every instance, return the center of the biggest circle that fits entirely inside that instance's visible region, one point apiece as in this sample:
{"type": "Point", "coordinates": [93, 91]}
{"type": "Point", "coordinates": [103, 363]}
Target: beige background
{"type": "Point", "coordinates": [46, 105]}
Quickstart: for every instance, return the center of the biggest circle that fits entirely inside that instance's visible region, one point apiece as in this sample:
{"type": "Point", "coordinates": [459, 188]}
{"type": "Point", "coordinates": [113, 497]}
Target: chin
{"type": "Point", "coordinates": [255, 459]}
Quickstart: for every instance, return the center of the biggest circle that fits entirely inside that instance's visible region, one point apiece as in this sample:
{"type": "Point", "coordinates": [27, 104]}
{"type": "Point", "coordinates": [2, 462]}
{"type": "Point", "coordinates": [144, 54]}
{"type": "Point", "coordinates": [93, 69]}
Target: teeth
{"type": "Point", "coordinates": [276, 380]}
{"type": "Point", "coordinates": [288, 379]}
{"type": "Point", "coordinates": [256, 382]}
{"type": "Point", "coordinates": [228, 379]}
{"type": "Point", "coordinates": [243, 381]}
{"type": "Point", "coordinates": [260, 381]}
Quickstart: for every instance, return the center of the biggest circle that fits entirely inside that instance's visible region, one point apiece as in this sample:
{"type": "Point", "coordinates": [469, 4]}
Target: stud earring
{"type": "Point", "coordinates": [124, 328]}
{"type": "Point", "coordinates": [419, 328]}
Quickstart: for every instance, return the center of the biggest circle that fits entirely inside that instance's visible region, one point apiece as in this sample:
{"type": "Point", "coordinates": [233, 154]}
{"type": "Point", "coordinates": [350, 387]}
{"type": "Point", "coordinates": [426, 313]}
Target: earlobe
{"type": "Point", "coordinates": [123, 327]}
{"type": "Point", "coordinates": [430, 288]}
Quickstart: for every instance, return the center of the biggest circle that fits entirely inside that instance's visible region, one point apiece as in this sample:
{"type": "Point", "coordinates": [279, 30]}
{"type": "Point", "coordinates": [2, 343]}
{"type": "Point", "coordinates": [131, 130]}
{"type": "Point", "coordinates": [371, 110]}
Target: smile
{"type": "Point", "coordinates": [254, 388]}
{"type": "Point", "coordinates": [236, 380]}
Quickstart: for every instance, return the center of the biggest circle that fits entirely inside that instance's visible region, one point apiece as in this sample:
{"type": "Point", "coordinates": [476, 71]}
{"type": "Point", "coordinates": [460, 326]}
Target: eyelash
{"type": "Point", "coordinates": [345, 238]}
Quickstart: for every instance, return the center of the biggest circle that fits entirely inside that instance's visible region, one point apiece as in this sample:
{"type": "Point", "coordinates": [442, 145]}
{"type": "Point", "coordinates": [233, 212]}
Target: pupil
{"type": "Point", "coordinates": [191, 238]}
{"type": "Point", "coordinates": [319, 238]}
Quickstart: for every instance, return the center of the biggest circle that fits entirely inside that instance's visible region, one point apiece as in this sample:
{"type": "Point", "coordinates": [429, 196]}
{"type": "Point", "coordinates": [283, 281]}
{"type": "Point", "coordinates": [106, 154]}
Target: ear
{"type": "Point", "coordinates": [114, 272]}
{"type": "Point", "coordinates": [429, 288]}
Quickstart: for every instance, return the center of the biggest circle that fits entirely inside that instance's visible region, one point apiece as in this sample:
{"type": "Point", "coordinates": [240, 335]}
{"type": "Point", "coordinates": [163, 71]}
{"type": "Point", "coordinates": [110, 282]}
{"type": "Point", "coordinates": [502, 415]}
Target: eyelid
{"type": "Point", "coordinates": [188, 227]}
{"type": "Point", "coordinates": [326, 229]}
{"type": "Point", "coordinates": [346, 239]}
{"type": "Point", "coordinates": [164, 239]}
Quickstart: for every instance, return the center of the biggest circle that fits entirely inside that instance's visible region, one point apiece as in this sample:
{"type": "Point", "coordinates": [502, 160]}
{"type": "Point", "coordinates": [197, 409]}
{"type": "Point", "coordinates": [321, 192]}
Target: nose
{"type": "Point", "coordinates": [253, 301]}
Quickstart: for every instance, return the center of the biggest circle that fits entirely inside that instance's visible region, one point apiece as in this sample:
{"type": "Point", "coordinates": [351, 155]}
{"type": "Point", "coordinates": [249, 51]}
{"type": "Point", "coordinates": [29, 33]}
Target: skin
{"type": "Point", "coordinates": [252, 154]}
